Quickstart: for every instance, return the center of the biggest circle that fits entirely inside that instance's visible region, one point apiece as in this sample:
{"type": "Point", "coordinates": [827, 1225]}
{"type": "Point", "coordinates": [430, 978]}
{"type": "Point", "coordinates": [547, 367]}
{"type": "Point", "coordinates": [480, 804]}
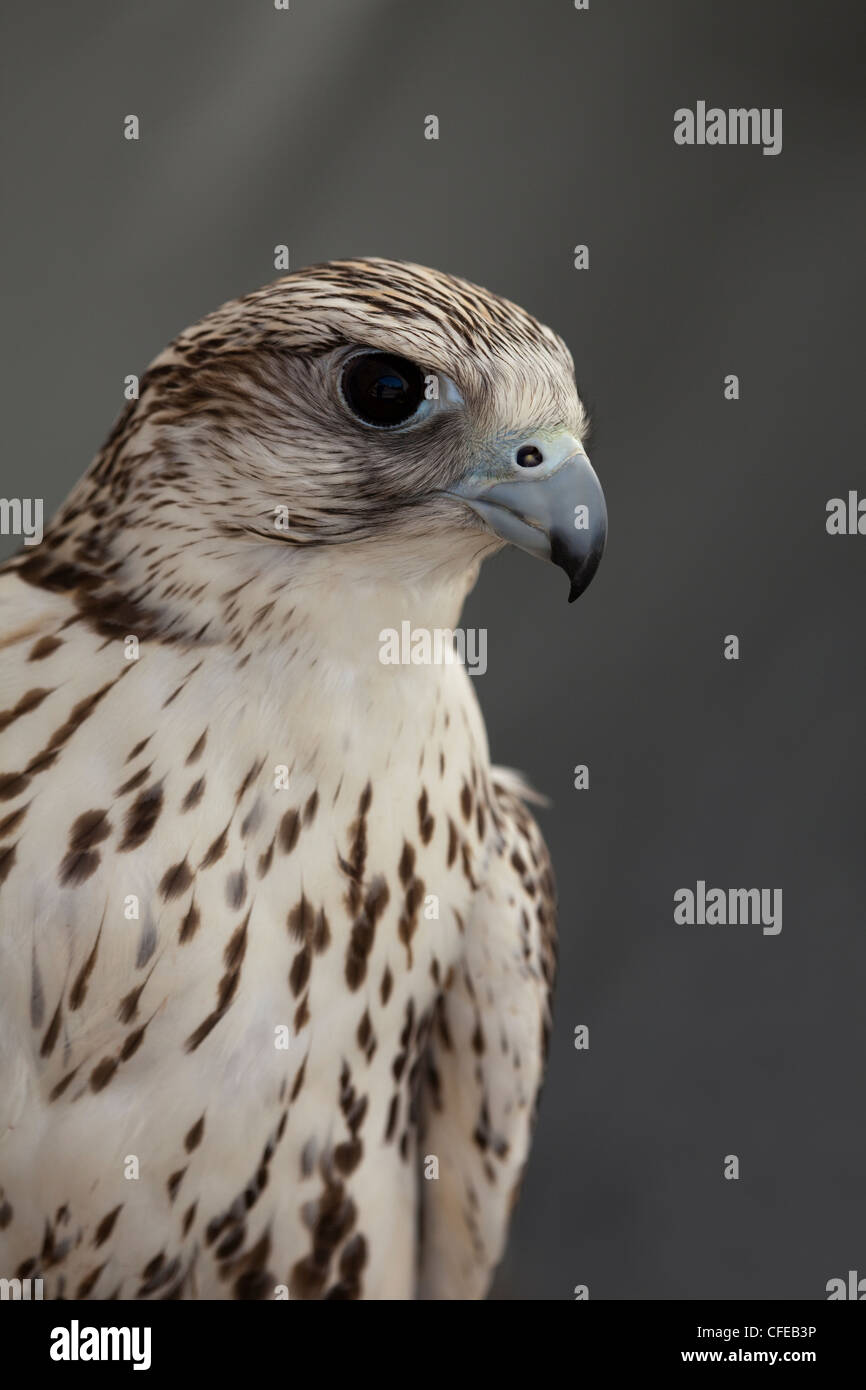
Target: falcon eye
{"type": "Point", "coordinates": [382, 389]}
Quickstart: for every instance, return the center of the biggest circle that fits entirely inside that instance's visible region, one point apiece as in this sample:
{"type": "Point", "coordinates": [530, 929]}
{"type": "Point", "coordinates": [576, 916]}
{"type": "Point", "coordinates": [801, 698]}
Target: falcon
{"type": "Point", "coordinates": [276, 940]}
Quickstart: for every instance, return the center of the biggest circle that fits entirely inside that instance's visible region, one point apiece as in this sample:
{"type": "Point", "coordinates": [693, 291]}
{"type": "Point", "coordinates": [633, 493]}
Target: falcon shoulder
{"type": "Point", "coordinates": [486, 1058]}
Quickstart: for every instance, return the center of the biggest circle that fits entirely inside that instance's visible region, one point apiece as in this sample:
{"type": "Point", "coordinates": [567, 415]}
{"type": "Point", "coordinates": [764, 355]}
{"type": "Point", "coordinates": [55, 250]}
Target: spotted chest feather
{"type": "Point", "coordinates": [246, 953]}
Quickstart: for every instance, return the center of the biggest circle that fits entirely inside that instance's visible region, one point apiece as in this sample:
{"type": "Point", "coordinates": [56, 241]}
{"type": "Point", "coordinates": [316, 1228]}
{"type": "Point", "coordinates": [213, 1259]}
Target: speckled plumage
{"type": "Point", "coordinates": [259, 907]}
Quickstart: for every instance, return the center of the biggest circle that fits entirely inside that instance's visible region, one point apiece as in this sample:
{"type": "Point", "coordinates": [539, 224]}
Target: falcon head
{"type": "Point", "coordinates": [375, 417]}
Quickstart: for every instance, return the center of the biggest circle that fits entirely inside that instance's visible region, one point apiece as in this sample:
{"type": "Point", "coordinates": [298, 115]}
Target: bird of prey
{"type": "Point", "coordinates": [276, 940]}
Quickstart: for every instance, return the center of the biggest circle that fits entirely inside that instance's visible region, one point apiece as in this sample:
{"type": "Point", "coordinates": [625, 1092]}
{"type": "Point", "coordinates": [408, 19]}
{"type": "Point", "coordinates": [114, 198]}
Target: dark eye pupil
{"type": "Point", "coordinates": [382, 389]}
{"type": "Point", "coordinates": [387, 387]}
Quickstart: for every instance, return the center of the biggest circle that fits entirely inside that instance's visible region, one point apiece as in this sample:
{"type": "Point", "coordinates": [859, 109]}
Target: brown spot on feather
{"type": "Point", "coordinates": [135, 781]}
{"type": "Point", "coordinates": [12, 821]}
{"type": "Point", "coordinates": [217, 849]}
{"type": "Point", "coordinates": [290, 828]}
{"type": "Point", "coordinates": [426, 822]}
{"type": "Point", "coordinates": [79, 987]}
{"type": "Point", "coordinates": [190, 924]}
{"type": "Point", "coordinates": [194, 1135]}
{"type": "Point", "coordinates": [106, 1226]}
{"type": "Point", "coordinates": [194, 795]}
{"type": "Point", "coordinates": [7, 861]}
{"type": "Point", "coordinates": [29, 701]}
{"type": "Point", "coordinates": [44, 647]}
{"type": "Point", "coordinates": [175, 881]}
{"type": "Point", "coordinates": [102, 1073]}
{"type": "Point", "coordinates": [197, 749]}
{"type": "Point", "coordinates": [52, 1032]}
{"type": "Point", "coordinates": [142, 817]}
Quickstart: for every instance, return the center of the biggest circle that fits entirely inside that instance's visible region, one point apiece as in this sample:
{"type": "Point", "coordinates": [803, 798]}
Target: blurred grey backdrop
{"type": "Point", "coordinates": [556, 128]}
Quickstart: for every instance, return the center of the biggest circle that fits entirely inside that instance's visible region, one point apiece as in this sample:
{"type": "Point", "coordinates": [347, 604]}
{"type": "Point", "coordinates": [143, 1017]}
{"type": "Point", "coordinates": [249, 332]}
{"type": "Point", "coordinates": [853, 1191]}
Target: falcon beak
{"type": "Point", "coordinates": [548, 501]}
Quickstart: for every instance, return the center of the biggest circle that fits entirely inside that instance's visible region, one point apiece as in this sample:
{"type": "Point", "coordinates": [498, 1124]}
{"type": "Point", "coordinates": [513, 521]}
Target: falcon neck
{"type": "Point", "coordinates": [357, 664]}
{"type": "Point", "coordinates": [366, 625]}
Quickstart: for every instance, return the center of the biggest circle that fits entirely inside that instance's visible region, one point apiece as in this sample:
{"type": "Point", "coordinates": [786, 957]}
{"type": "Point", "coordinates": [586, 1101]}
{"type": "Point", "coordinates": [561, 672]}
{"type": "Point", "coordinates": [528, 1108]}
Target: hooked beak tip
{"type": "Point", "coordinates": [580, 570]}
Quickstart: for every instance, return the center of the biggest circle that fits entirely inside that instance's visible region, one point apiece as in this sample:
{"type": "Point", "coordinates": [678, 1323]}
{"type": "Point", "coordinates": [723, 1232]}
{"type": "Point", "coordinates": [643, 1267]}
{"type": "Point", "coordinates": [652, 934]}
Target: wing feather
{"type": "Point", "coordinates": [485, 1062]}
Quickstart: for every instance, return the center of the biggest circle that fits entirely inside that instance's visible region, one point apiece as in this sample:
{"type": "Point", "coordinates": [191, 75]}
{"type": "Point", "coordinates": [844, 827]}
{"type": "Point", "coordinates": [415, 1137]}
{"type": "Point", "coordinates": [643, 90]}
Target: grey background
{"type": "Point", "coordinates": [261, 127]}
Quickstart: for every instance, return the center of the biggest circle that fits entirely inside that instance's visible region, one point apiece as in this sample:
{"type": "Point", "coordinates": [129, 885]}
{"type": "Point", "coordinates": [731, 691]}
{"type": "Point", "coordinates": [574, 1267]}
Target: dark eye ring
{"type": "Point", "coordinates": [382, 389]}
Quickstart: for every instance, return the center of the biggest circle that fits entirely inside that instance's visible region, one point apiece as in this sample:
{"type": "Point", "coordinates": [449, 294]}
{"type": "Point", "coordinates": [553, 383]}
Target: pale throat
{"type": "Point", "coordinates": [348, 598]}
{"type": "Point", "coordinates": [331, 674]}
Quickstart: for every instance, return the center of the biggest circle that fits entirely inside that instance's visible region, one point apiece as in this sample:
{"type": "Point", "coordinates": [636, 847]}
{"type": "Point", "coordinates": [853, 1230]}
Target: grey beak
{"type": "Point", "coordinates": [561, 517]}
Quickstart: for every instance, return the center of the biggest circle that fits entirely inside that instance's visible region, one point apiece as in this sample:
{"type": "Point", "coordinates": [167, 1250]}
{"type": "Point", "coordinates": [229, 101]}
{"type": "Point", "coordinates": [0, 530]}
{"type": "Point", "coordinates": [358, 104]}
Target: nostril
{"type": "Point", "coordinates": [529, 456]}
